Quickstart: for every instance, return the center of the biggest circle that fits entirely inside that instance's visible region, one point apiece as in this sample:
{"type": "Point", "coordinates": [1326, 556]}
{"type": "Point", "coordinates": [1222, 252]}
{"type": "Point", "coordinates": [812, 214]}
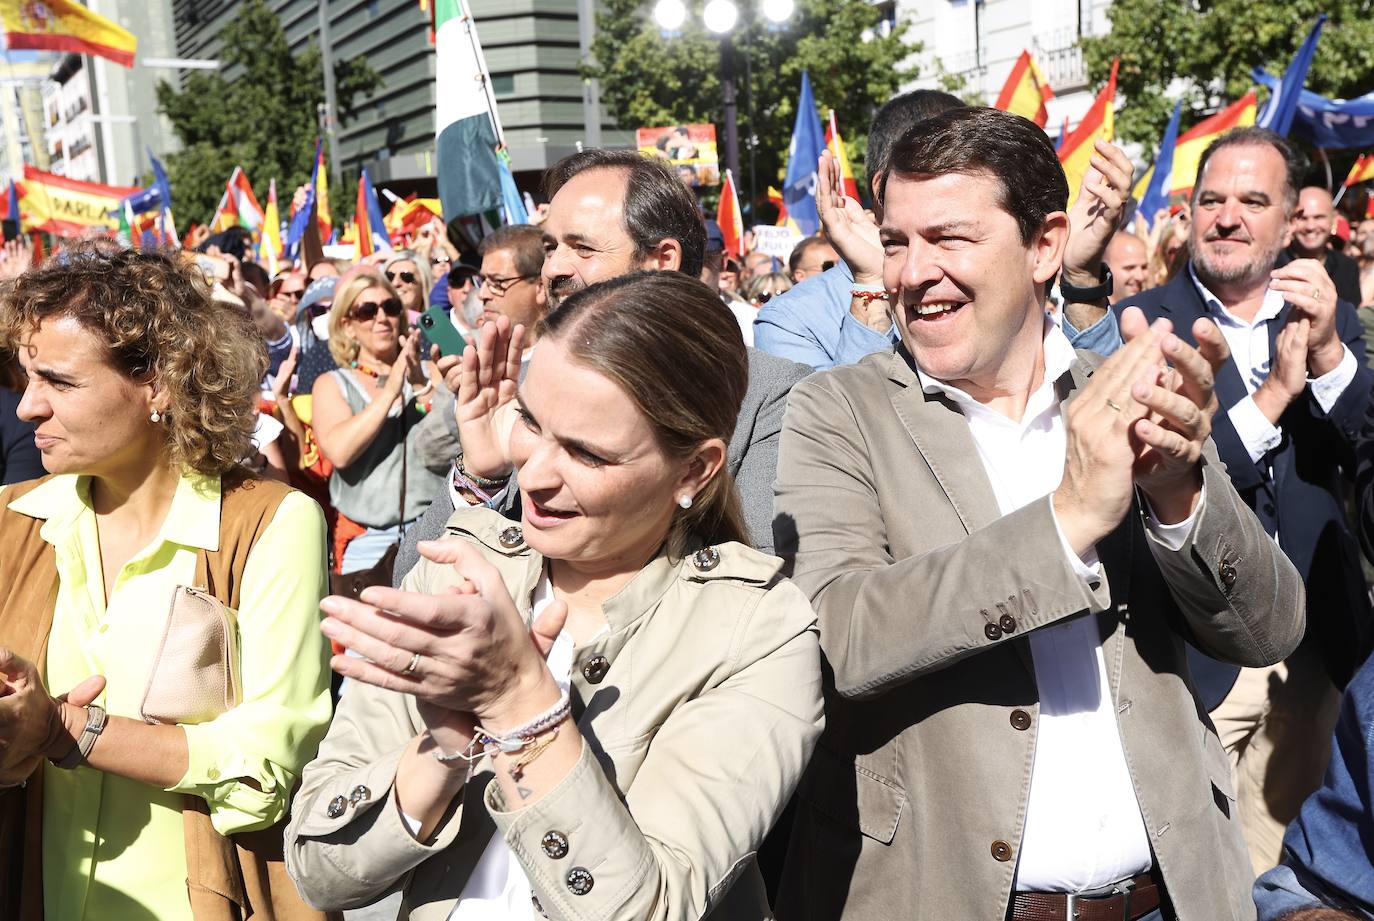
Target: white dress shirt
{"type": "Point", "coordinates": [1083, 826]}
{"type": "Point", "coordinates": [1249, 343]}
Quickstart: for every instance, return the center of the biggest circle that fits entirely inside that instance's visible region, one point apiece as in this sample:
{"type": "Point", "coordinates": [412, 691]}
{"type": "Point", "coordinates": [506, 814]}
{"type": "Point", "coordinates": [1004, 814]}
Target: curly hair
{"type": "Point", "coordinates": [153, 311]}
{"type": "Point", "coordinates": [342, 346]}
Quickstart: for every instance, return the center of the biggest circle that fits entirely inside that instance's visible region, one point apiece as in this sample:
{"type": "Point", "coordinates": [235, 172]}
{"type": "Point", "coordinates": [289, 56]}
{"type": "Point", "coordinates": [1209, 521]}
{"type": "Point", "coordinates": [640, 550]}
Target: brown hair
{"type": "Point", "coordinates": [525, 243]}
{"type": "Point", "coordinates": [11, 372]}
{"type": "Point", "coordinates": [675, 349]}
{"type": "Point", "coordinates": [153, 311]}
{"type": "Point", "coordinates": [342, 346]}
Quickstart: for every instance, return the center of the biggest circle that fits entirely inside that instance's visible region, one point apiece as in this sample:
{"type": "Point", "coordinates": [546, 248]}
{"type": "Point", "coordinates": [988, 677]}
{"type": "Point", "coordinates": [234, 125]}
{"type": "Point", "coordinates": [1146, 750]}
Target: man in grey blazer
{"type": "Point", "coordinates": [1007, 543]}
{"type": "Point", "coordinates": [612, 212]}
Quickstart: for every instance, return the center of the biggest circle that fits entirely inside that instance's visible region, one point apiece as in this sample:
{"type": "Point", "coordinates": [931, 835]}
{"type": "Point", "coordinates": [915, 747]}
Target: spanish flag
{"type": "Point", "coordinates": [835, 144]}
{"type": "Point", "coordinates": [1098, 125]}
{"type": "Point", "coordinates": [1026, 91]}
{"type": "Point", "coordinates": [65, 25]}
{"type": "Point", "coordinates": [269, 247]}
{"type": "Point", "coordinates": [321, 177]}
{"type": "Point", "coordinates": [371, 227]}
{"type": "Point", "coordinates": [1195, 140]}
{"type": "Point", "coordinates": [729, 218]}
{"type": "Point", "coordinates": [1362, 171]}
{"type": "Point", "coordinates": [66, 207]}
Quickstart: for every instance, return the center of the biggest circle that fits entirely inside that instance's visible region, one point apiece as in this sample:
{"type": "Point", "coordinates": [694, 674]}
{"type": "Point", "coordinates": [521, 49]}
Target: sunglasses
{"type": "Point", "coordinates": [294, 295]}
{"type": "Point", "coordinates": [827, 265]}
{"type": "Point", "coordinates": [318, 309]}
{"type": "Point", "coordinates": [367, 310]}
{"type": "Point", "coordinates": [407, 277]}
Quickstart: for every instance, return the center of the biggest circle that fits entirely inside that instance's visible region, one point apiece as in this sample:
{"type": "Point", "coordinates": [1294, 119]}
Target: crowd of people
{"type": "Point", "coordinates": [989, 557]}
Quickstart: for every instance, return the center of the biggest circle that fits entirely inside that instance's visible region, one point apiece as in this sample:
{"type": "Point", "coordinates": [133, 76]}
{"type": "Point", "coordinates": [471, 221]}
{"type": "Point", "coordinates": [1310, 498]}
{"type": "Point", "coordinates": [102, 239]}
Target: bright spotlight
{"type": "Point", "coordinates": [720, 15]}
{"type": "Point", "coordinates": [778, 10]}
{"type": "Point", "coordinates": [670, 14]}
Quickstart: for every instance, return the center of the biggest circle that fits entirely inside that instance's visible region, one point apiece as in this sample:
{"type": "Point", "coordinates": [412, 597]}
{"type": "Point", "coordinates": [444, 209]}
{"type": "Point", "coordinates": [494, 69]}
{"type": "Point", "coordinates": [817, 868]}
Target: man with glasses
{"type": "Point", "coordinates": [509, 283]}
{"type": "Point", "coordinates": [811, 257]}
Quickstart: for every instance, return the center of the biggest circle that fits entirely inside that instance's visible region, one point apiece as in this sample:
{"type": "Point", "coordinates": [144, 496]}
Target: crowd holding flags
{"type": "Point", "coordinates": [239, 206]}
{"type": "Point", "coordinates": [803, 155]}
{"type": "Point", "coordinates": [729, 218]}
{"type": "Point", "coordinates": [835, 144]}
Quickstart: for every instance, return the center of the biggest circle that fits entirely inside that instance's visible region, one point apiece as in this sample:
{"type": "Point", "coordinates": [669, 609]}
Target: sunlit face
{"type": "Point", "coordinates": [380, 334]}
{"type": "Point", "coordinates": [968, 290]}
{"type": "Point", "coordinates": [1130, 265]}
{"type": "Point", "coordinates": [411, 295]}
{"type": "Point", "coordinates": [505, 292]}
{"type": "Point", "coordinates": [587, 241]}
{"type": "Point", "coordinates": [1364, 238]}
{"type": "Point", "coordinates": [1313, 221]}
{"type": "Point", "coordinates": [597, 490]}
{"type": "Point", "coordinates": [90, 417]}
{"type": "Point", "coordinates": [1240, 219]}
{"type": "Point", "coordinates": [817, 258]}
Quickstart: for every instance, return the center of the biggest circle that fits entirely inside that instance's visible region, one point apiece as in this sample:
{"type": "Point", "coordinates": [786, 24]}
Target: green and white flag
{"type": "Point", "coordinates": [468, 171]}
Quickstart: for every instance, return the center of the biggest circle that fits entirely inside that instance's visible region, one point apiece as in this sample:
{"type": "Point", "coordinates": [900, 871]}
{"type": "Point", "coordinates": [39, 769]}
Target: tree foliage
{"type": "Point", "coordinates": [1210, 47]}
{"type": "Point", "coordinates": [649, 79]}
{"type": "Point", "coordinates": [263, 119]}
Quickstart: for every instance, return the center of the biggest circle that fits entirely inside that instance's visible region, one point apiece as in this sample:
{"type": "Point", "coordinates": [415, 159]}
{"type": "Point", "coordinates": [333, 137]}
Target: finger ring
{"type": "Point", "coordinates": [414, 664]}
{"type": "Point", "coordinates": [1315, 292]}
{"type": "Point", "coordinates": [1114, 405]}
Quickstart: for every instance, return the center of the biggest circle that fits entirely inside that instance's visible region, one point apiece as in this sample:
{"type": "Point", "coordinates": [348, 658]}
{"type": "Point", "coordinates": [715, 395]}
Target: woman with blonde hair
{"type": "Point", "coordinates": [409, 274]}
{"type": "Point", "coordinates": [362, 416]}
{"type": "Point", "coordinates": [143, 781]}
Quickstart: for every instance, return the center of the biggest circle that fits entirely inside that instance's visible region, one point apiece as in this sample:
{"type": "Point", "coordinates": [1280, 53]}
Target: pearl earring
{"type": "Point", "coordinates": [684, 500]}
{"type": "Point", "coordinates": [156, 416]}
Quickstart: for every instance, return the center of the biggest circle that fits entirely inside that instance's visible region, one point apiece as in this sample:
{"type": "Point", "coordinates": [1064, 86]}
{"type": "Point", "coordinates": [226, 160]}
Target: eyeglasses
{"type": "Point", "coordinates": [436, 260]}
{"type": "Point", "coordinates": [498, 285]}
{"type": "Point", "coordinates": [763, 298]}
{"type": "Point", "coordinates": [294, 295]}
{"type": "Point", "coordinates": [827, 265]}
{"type": "Point", "coordinates": [318, 309]}
{"type": "Point", "coordinates": [407, 277]}
{"type": "Point", "coordinates": [367, 310]}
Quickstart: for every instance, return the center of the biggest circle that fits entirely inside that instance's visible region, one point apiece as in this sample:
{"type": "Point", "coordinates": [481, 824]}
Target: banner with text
{"type": "Point", "coordinates": [777, 242]}
{"type": "Point", "coordinates": [68, 207]}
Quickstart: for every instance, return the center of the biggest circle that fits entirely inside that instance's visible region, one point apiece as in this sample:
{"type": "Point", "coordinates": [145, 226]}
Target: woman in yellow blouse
{"type": "Point", "coordinates": [142, 390]}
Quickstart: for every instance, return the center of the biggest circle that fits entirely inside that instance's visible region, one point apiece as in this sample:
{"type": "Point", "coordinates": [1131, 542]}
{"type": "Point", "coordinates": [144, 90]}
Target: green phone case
{"type": "Point", "coordinates": [439, 329]}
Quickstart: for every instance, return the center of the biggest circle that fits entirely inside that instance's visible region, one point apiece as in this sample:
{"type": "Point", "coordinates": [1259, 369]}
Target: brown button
{"type": "Point", "coordinates": [1007, 623]}
{"type": "Point", "coordinates": [992, 631]}
{"type": "Point", "coordinates": [555, 845]}
{"type": "Point", "coordinates": [1001, 851]}
{"type": "Point", "coordinates": [1227, 572]}
{"type": "Point", "coordinates": [596, 669]}
{"type": "Point", "coordinates": [580, 881]}
{"type": "Point", "coordinates": [1020, 720]}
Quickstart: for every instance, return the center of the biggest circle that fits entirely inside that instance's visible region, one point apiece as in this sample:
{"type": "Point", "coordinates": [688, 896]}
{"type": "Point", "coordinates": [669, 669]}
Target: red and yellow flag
{"type": "Point", "coordinates": [66, 207]}
{"type": "Point", "coordinates": [1195, 140]}
{"type": "Point", "coordinates": [65, 25]}
{"type": "Point", "coordinates": [835, 143]}
{"type": "Point", "coordinates": [730, 219]}
{"type": "Point", "coordinates": [1362, 171]}
{"type": "Point", "coordinates": [1098, 125]}
{"type": "Point", "coordinates": [1026, 91]}
{"type": "Point", "coordinates": [322, 197]}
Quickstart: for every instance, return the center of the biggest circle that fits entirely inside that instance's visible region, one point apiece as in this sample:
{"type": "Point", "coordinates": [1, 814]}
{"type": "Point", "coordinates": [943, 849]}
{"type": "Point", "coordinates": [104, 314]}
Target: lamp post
{"type": "Point", "coordinates": [720, 17]}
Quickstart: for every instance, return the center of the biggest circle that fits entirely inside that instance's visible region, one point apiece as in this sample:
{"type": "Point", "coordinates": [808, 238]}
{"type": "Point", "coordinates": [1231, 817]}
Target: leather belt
{"type": "Point", "coordinates": [1138, 897]}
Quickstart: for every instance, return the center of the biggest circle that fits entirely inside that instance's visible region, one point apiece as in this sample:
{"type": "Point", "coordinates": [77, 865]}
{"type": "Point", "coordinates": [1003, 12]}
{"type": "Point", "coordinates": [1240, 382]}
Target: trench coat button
{"type": "Point", "coordinates": [596, 669]}
{"type": "Point", "coordinates": [580, 881]}
{"type": "Point", "coordinates": [1020, 720]}
{"type": "Point", "coordinates": [555, 845]}
{"type": "Point", "coordinates": [1227, 572]}
{"type": "Point", "coordinates": [992, 631]}
{"type": "Point", "coordinates": [336, 807]}
{"type": "Point", "coordinates": [706, 559]}
{"type": "Point", "coordinates": [511, 538]}
{"type": "Point", "coordinates": [1001, 851]}
{"type": "Point", "coordinates": [1007, 623]}
{"type": "Point", "coordinates": [360, 794]}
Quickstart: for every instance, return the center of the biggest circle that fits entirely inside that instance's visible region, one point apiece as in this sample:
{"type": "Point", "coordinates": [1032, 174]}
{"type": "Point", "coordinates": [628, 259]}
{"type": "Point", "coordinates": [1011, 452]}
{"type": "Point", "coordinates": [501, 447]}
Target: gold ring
{"type": "Point", "coordinates": [414, 664]}
{"type": "Point", "coordinates": [1113, 404]}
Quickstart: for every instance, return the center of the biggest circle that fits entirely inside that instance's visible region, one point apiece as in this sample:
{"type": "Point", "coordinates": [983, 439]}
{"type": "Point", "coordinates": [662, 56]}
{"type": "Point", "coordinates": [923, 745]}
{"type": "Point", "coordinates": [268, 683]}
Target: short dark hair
{"type": "Point", "coordinates": [525, 242]}
{"type": "Point", "coordinates": [898, 116]}
{"type": "Point", "coordinates": [658, 206]}
{"type": "Point", "coordinates": [1294, 161]}
{"type": "Point", "coordinates": [798, 253]}
{"type": "Point", "coordinates": [1011, 149]}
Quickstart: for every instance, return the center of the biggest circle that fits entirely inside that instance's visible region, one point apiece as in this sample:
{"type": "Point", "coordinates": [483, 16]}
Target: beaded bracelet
{"type": "Point", "coordinates": [524, 736]}
{"type": "Point", "coordinates": [476, 479]}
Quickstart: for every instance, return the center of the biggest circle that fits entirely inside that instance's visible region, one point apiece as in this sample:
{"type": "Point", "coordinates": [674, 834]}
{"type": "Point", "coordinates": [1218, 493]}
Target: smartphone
{"type": "Point", "coordinates": [439, 329]}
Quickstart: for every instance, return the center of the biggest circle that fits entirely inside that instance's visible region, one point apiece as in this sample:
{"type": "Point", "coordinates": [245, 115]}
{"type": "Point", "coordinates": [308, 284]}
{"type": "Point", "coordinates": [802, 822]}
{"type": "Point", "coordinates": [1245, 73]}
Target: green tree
{"type": "Point", "coordinates": [649, 79]}
{"type": "Point", "coordinates": [1210, 49]}
{"type": "Point", "coordinates": [262, 119]}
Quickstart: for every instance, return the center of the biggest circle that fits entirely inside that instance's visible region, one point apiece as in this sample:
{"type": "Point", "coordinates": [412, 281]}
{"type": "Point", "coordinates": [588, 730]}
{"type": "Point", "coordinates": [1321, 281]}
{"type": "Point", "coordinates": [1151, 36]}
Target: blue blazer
{"type": "Point", "coordinates": [1298, 489]}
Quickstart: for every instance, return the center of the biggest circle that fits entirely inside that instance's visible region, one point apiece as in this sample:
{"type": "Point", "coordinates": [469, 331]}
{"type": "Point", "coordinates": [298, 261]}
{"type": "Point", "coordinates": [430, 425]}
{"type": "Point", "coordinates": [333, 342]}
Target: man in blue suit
{"type": "Point", "coordinates": [1294, 394]}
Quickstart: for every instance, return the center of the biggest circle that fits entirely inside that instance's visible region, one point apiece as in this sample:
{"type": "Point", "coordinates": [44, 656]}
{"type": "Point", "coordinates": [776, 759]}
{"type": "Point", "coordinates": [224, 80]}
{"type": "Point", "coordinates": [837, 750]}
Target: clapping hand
{"type": "Point", "coordinates": [1097, 212]}
{"type": "Point", "coordinates": [1305, 284]}
{"type": "Point", "coordinates": [487, 379]}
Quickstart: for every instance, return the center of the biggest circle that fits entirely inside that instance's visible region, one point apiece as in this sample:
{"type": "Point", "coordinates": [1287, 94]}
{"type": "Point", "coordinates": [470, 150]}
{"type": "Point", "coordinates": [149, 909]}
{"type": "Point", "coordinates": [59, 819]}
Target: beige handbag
{"type": "Point", "coordinates": [195, 674]}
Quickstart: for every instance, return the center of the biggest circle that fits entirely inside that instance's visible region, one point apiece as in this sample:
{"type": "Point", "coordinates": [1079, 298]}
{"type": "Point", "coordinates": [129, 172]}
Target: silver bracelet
{"type": "Point", "coordinates": [524, 736]}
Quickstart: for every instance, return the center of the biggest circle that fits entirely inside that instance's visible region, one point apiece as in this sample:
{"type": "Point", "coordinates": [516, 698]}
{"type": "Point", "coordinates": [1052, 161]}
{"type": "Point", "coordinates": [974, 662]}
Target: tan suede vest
{"type": "Point", "coordinates": [241, 878]}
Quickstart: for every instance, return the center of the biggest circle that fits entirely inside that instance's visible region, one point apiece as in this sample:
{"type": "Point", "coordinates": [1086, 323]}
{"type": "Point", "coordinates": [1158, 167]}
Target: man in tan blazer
{"type": "Point", "coordinates": [1007, 544]}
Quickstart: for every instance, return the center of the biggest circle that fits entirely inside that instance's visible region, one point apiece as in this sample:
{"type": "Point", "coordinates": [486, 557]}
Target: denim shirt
{"type": "Point", "coordinates": [1324, 850]}
{"type": "Point", "coordinates": [1103, 337]}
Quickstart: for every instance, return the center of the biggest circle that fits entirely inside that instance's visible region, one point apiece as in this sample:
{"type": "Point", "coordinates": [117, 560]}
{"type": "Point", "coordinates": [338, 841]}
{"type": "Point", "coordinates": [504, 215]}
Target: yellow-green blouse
{"type": "Point", "coordinates": [114, 849]}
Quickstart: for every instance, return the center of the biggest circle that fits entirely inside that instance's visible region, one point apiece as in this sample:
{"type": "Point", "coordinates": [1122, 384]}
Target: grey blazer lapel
{"type": "Point", "coordinates": [940, 432]}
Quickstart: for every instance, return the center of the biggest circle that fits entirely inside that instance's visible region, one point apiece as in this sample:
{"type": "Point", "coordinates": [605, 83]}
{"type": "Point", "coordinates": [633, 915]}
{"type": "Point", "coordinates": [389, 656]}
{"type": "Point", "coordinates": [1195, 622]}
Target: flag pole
{"type": "Point", "coordinates": [470, 28]}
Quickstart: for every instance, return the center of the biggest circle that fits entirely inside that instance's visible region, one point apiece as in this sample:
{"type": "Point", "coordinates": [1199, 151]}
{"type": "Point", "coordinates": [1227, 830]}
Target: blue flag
{"type": "Point", "coordinates": [375, 225]}
{"type": "Point", "coordinates": [511, 201]}
{"type": "Point", "coordinates": [1326, 122]}
{"type": "Point", "coordinates": [1282, 106]}
{"type": "Point", "coordinates": [300, 221]}
{"type": "Point", "coordinates": [808, 140]}
{"type": "Point", "coordinates": [1157, 192]}
{"type": "Point", "coordinates": [13, 202]}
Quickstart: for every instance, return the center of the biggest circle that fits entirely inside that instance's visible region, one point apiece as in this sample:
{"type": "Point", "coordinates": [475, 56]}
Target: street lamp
{"type": "Point", "coordinates": [721, 17]}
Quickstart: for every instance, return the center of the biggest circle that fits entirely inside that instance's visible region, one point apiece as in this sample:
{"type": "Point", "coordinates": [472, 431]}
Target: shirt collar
{"type": "Point", "coordinates": [1269, 308]}
{"type": "Point", "coordinates": [192, 521]}
{"type": "Point", "coordinates": [1059, 358]}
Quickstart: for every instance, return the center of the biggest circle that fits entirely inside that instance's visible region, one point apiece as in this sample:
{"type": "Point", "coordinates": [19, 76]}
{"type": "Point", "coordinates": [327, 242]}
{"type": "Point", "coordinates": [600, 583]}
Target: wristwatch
{"type": "Point", "coordinates": [1099, 292]}
{"type": "Point", "coordinates": [95, 725]}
